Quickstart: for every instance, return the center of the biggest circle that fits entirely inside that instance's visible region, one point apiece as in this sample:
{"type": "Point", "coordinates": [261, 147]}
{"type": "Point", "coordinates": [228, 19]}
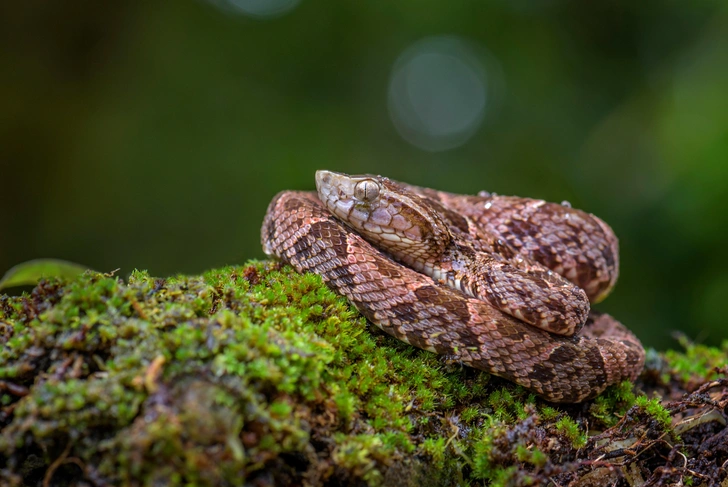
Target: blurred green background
{"type": "Point", "coordinates": [152, 134]}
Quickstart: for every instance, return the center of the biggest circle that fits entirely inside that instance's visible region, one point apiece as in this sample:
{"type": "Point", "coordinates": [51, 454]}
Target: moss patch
{"type": "Point", "coordinates": [257, 374]}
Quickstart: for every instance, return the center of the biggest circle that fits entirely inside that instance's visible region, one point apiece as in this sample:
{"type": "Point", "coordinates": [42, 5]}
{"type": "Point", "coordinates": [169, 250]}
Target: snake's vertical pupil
{"type": "Point", "coordinates": [366, 190]}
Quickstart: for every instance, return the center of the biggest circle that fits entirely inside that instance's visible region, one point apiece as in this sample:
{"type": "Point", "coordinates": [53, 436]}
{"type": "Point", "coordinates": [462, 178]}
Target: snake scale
{"type": "Point", "coordinates": [502, 284]}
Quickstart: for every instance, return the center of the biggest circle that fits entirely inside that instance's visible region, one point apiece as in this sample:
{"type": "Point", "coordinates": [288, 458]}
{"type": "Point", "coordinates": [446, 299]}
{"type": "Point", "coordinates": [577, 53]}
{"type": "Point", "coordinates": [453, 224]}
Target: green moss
{"type": "Point", "coordinates": [470, 414]}
{"type": "Point", "coordinates": [256, 373]}
{"type": "Point", "coordinates": [654, 408]}
{"type": "Point", "coordinates": [533, 456]}
{"type": "Point", "coordinates": [502, 477]}
{"type": "Point", "coordinates": [571, 430]}
{"type": "Point", "coordinates": [482, 463]}
{"type": "Point", "coordinates": [548, 413]}
{"type": "Point", "coordinates": [135, 368]}
{"type": "Point", "coordinates": [507, 405]}
{"type": "Point", "coordinates": [360, 454]}
{"type": "Point", "coordinates": [611, 406]}
{"type": "Point", "coordinates": [697, 362]}
{"type": "Point", "coordinates": [435, 448]}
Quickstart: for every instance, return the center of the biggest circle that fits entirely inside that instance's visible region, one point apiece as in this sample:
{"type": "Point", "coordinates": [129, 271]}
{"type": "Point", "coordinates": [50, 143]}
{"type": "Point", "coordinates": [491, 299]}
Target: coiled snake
{"type": "Point", "coordinates": [475, 278]}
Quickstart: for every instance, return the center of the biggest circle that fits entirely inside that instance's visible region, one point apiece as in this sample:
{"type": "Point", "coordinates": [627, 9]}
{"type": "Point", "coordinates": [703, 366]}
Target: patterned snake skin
{"type": "Point", "coordinates": [512, 240]}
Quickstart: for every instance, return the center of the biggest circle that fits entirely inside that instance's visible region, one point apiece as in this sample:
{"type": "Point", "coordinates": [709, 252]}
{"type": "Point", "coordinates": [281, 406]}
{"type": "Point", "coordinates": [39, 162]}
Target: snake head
{"type": "Point", "coordinates": [384, 213]}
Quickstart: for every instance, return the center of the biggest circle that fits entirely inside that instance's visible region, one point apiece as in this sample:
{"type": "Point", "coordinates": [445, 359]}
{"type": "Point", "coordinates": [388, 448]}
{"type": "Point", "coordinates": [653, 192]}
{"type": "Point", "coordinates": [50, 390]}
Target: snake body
{"type": "Point", "coordinates": [478, 320]}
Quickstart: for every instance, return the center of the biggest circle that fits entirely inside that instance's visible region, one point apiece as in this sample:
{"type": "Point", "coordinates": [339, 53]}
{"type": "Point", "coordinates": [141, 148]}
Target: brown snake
{"type": "Point", "coordinates": [493, 263]}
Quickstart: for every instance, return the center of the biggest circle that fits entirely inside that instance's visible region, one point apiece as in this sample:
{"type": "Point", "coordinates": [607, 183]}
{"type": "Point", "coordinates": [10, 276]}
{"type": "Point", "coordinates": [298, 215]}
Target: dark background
{"type": "Point", "coordinates": [152, 134]}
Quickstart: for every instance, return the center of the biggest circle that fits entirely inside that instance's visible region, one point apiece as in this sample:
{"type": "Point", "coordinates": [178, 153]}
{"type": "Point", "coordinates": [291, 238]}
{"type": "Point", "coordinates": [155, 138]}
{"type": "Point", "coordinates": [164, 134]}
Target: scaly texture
{"type": "Point", "coordinates": [411, 306]}
{"type": "Point", "coordinates": [426, 236]}
{"type": "Point", "coordinates": [576, 245]}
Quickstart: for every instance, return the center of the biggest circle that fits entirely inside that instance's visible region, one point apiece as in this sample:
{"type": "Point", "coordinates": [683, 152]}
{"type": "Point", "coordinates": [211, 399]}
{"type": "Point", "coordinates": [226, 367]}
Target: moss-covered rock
{"type": "Point", "coordinates": [257, 375]}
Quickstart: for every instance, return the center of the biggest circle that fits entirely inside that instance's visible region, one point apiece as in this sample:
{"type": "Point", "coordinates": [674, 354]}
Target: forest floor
{"type": "Point", "coordinates": [255, 375]}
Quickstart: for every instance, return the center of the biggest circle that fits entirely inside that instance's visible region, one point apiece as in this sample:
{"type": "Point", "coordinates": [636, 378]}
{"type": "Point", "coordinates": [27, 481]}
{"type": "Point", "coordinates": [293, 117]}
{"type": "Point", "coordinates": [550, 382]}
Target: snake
{"type": "Point", "coordinates": [502, 284]}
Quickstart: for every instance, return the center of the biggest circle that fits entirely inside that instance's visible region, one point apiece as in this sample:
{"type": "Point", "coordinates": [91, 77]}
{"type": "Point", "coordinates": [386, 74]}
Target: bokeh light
{"type": "Point", "coordinates": [257, 8]}
{"type": "Point", "coordinates": [438, 93]}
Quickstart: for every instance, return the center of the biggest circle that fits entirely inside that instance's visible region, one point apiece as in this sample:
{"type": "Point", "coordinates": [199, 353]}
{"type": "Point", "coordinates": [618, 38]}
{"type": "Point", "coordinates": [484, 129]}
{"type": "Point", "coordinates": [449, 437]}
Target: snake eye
{"type": "Point", "coordinates": [366, 190]}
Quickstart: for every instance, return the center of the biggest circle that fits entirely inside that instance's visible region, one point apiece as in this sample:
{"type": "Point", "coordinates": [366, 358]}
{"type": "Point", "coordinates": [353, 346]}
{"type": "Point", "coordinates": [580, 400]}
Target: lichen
{"type": "Point", "coordinates": [256, 374]}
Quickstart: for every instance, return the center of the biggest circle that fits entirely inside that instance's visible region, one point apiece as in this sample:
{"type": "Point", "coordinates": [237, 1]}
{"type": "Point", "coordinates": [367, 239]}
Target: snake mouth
{"type": "Point", "coordinates": [328, 185]}
{"type": "Point", "coordinates": [331, 186]}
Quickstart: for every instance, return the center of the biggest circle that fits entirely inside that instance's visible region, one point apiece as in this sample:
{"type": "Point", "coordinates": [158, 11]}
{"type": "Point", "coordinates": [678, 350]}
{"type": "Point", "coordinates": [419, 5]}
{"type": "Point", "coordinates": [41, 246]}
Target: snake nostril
{"type": "Point", "coordinates": [323, 176]}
